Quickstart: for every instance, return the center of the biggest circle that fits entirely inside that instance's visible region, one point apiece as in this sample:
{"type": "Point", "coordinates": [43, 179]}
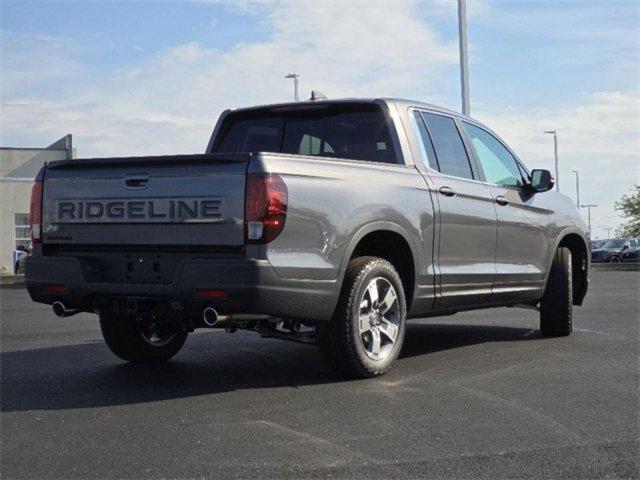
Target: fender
{"type": "Point", "coordinates": [373, 227]}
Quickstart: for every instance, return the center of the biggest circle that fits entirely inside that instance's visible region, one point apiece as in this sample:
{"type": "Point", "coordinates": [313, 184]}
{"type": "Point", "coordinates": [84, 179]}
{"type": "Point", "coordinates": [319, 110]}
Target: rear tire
{"type": "Point", "coordinates": [365, 335]}
{"type": "Point", "coordinates": [125, 338]}
{"type": "Point", "coordinates": [556, 307]}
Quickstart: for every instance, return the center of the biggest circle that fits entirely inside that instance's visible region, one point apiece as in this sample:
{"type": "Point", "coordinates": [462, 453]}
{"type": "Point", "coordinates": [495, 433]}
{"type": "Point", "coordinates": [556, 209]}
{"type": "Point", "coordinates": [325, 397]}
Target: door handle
{"type": "Point", "coordinates": [500, 200]}
{"type": "Point", "coordinates": [447, 191]}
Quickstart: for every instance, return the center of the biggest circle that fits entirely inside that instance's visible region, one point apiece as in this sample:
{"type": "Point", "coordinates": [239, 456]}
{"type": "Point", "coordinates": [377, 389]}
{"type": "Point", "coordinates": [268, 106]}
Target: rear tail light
{"type": "Point", "coordinates": [265, 209]}
{"type": "Point", "coordinates": [35, 213]}
{"type": "Point", "coordinates": [55, 289]}
{"type": "Point", "coordinates": [211, 293]}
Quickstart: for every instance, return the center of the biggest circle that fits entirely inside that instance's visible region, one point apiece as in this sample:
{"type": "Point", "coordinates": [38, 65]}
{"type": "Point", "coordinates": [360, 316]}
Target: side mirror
{"type": "Point", "coordinates": [541, 180]}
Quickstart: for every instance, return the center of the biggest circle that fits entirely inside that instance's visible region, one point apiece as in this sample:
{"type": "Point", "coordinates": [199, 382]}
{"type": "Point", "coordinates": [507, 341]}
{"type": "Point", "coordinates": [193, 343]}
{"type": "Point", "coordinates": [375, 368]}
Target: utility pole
{"type": "Point", "coordinates": [589, 207]}
{"type": "Point", "coordinates": [464, 59]}
{"type": "Point", "coordinates": [295, 85]}
{"type": "Point", "coordinates": [577, 188]}
{"type": "Point", "coordinates": [555, 151]}
{"type": "Point", "coordinates": [608, 230]}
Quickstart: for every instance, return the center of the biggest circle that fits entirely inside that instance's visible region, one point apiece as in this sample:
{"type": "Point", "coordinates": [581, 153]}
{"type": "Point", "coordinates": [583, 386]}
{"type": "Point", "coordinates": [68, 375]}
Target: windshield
{"type": "Point", "coordinates": [618, 243]}
{"type": "Point", "coordinates": [351, 131]}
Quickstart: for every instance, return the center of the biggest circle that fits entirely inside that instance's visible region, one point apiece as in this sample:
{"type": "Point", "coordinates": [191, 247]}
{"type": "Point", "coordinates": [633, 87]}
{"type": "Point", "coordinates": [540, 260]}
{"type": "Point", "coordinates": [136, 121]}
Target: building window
{"type": "Point", "coordinates": [23, 237]}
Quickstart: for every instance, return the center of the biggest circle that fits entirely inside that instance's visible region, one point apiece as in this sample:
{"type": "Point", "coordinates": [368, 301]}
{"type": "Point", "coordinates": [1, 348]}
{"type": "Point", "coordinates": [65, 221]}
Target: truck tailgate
{"type": "Point", "coordinates": [171, 200]}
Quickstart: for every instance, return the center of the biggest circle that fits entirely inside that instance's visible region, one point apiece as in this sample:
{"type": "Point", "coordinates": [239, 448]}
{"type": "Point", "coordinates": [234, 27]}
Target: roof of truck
{"type": "Point", "coordinates": [399, 102]}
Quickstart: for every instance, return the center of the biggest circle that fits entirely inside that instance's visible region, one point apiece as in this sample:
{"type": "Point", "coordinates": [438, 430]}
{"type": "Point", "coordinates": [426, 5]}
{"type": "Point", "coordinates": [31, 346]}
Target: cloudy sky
{"type": "Point", "coordinates": [137, 78]}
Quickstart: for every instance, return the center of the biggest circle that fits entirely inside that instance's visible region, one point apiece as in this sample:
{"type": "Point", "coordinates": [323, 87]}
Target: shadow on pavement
{"type": "Point", "coordinates": [86, 376]}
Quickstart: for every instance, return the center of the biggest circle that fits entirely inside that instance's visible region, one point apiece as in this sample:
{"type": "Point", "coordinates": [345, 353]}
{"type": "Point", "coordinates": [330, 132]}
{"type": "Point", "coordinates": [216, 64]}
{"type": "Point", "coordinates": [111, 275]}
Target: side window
{"type": "Point", "coordinates": [450, 153]}
{"type": "Point", "coordinates": [428, 155]}
{"type": "Point", "coordinates": [499, 166]}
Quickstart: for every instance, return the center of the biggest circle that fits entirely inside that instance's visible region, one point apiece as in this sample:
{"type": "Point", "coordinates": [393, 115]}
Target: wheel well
{"type": "Point", "coordinates": [579, 273]}
{"type": "Point", "coordinates": [394, 248]}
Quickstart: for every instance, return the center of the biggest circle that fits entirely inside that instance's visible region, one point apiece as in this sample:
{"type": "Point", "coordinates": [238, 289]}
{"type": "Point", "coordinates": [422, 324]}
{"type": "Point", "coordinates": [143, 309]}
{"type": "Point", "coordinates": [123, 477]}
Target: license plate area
{"type": "Point", "coordinates": [144, 268]}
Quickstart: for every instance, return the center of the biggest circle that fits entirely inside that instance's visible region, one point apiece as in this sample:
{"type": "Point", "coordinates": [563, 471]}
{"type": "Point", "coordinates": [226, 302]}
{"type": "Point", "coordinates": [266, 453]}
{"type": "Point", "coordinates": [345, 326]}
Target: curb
{"type": "Point", "coordinates": [616, 267]}
{"type": "Point", "coordinates": [11, 279]}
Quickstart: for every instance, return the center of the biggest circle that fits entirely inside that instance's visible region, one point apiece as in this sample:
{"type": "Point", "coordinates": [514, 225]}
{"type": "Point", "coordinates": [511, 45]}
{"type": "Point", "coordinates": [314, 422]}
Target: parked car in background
{"type": "Point", "coordinates": [21, 262]}
{"type": "Point", "coordinates": [612, 250]}
{"type": "Point", "coordinates": [631, 255]}
{"type": "Point", "coordinates": [21, 252]}
{"type": "Point", "coordinates": [595, 244]}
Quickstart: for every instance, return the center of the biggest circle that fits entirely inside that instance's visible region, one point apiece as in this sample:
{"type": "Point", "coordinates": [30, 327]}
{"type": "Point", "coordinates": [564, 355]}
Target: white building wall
{"type": "Point", "coordinates": [18, 168]}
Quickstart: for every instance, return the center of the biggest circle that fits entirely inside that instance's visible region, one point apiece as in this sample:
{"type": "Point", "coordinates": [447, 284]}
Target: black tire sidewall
{"type": "Point", "coordinates": [125, 340]}
{"type": "Point", "coordinates": [376, 268]}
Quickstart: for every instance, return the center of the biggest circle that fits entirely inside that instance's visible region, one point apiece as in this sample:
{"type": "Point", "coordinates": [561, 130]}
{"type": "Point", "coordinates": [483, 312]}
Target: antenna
{"type": "Point", "coordinates": [316, 96]}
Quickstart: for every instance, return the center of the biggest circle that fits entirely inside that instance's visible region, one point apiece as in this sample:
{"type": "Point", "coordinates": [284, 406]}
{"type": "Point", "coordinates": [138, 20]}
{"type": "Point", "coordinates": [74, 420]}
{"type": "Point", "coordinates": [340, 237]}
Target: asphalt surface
{"type": "Point", "coordinates": [475, 395]}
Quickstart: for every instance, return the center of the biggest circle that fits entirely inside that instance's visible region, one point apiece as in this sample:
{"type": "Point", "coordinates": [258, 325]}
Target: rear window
{"type": "Point", "coordinates": [358, 132]}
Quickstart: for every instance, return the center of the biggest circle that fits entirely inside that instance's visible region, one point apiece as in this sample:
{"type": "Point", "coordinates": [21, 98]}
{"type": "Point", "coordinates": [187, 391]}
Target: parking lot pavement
{"type": "Point", "coordinates": [477, 394]}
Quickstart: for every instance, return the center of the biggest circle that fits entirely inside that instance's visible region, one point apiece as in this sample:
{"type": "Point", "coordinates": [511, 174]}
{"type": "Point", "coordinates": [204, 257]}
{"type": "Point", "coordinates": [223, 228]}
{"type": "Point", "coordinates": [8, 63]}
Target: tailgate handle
{"type": "Point", "coordinates": [136, 180]}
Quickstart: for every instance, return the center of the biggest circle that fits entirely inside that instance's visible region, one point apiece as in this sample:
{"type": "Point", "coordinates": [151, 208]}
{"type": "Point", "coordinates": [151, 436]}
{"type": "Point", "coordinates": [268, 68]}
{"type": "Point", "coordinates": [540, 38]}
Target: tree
{"type": "Point", "coordinates": [629, 207]}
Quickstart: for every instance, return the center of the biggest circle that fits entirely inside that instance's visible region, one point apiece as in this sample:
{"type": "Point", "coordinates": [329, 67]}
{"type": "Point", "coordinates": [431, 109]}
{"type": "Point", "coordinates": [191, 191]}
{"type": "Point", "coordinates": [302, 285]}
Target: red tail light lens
{"type": "Point", "coordinates": [35, 212]}
{"type": "Point", "coordinates": [55, 289]}
{"type": "Point", "coordinates": [265, 209]}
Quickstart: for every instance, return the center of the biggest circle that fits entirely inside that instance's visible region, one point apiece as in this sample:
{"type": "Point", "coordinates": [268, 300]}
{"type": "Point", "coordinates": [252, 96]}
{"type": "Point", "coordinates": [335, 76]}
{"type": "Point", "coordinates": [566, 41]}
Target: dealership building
{"type": "Point", "coordinates": [18, 168]}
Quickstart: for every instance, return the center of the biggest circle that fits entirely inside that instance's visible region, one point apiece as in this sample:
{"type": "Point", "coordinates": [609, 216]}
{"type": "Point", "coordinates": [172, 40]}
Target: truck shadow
{"type": "Point", "coordinates": [87, 375]}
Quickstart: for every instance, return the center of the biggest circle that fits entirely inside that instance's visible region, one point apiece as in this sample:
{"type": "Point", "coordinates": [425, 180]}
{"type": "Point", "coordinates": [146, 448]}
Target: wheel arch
{"type": "Point", "coordinates": [390, 241]}
{"type": "Point", "coordinates": [575, 240]}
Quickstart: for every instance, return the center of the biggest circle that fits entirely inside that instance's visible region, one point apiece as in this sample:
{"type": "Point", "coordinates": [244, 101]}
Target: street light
{"type": "Point", "coordinates": [577, 187]}
{"type": "Point", "coordinates": [589, 207]}
{"type": "Point", "coordinates": [295, 84]}
{"type": "Point", "coordinates": [464, 59]}
{"type": "Point", "coordinates": [555, 151]}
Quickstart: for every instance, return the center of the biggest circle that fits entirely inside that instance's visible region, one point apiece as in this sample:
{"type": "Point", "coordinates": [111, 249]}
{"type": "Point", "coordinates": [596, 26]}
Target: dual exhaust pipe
{"type": "Point", "coordinates": [210, 315]}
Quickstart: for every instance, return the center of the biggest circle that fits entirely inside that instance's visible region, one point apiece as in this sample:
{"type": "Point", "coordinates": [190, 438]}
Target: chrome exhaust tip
{"type": "Point", "coordinates": [59, 309]}
{"type": "Point", "coordinates": [210, 316]}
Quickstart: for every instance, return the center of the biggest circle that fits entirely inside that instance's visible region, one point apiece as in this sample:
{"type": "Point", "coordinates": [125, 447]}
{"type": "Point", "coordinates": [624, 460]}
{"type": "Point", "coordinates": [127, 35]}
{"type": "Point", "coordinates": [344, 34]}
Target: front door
{"type": "Point", "coordinates": [522, 247]}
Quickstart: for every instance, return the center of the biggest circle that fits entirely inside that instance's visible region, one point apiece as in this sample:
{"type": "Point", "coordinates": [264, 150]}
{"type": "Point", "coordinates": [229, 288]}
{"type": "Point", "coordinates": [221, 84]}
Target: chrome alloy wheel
{"type": "Point", "coordinates": [154, 333]}
{"type": "Point", "coordinates": [379, 319]}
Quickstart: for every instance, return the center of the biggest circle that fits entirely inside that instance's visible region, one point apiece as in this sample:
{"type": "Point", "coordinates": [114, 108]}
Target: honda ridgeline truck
{"type": "Point", "coordinates": [330, 222]}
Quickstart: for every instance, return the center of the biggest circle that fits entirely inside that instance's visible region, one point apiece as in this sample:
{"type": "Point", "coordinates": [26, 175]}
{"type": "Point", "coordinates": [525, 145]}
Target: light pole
{"type": "Point", "coordinates": [589, 207]}
{"type": "Point", "coordinates": [555, 151]}
{"type": "Point", "coordinates": [295, 84]}
{"type": "Point", "coordinates": [464, 60]}
{"type": "Point", "coordinates": [577, 188]}
{"type": "Point", "coordinates": [608, 230]}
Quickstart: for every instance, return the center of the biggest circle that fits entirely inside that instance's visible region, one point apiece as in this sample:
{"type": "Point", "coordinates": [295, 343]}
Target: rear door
{"type": "Point", "coordinates": [466, 244]}
{"type": "Point", "coordinates": [179, 200]}
{"type": "Point", "coordinates": [522, 244]}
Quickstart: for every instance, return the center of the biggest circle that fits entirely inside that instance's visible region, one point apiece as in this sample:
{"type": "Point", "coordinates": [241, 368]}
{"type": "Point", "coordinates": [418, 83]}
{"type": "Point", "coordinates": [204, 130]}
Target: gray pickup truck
{"type": "Point", "coordinates": [328, 222]}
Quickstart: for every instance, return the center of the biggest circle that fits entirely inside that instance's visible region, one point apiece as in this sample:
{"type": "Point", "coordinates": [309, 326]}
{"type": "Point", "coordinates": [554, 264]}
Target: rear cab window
{"type": "Point", "coordinates": [349, 131]}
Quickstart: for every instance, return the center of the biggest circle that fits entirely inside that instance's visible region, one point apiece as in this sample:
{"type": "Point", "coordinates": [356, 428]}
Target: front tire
{"type": "Point", "coordinates": [556, 307]}
{"type": "Point", "coordinates": [140, 342]}
{"type": "Point", "coordinates": [365, 335]}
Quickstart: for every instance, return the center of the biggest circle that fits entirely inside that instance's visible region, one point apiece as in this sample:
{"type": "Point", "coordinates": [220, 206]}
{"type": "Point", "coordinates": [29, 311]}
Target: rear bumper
{"type": "Point", "coordinates": [251, 286]}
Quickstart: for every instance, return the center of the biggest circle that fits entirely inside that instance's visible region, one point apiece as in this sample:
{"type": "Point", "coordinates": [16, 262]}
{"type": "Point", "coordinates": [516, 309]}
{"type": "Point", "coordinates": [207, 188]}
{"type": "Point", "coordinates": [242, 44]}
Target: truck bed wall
{"type": "Point", "coordinates": [333, 203]}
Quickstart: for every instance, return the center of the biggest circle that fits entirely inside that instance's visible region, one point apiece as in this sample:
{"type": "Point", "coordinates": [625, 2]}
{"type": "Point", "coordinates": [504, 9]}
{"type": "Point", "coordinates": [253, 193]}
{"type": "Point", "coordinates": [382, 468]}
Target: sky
{"type": "Point", "coordinates": [151, 77]}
